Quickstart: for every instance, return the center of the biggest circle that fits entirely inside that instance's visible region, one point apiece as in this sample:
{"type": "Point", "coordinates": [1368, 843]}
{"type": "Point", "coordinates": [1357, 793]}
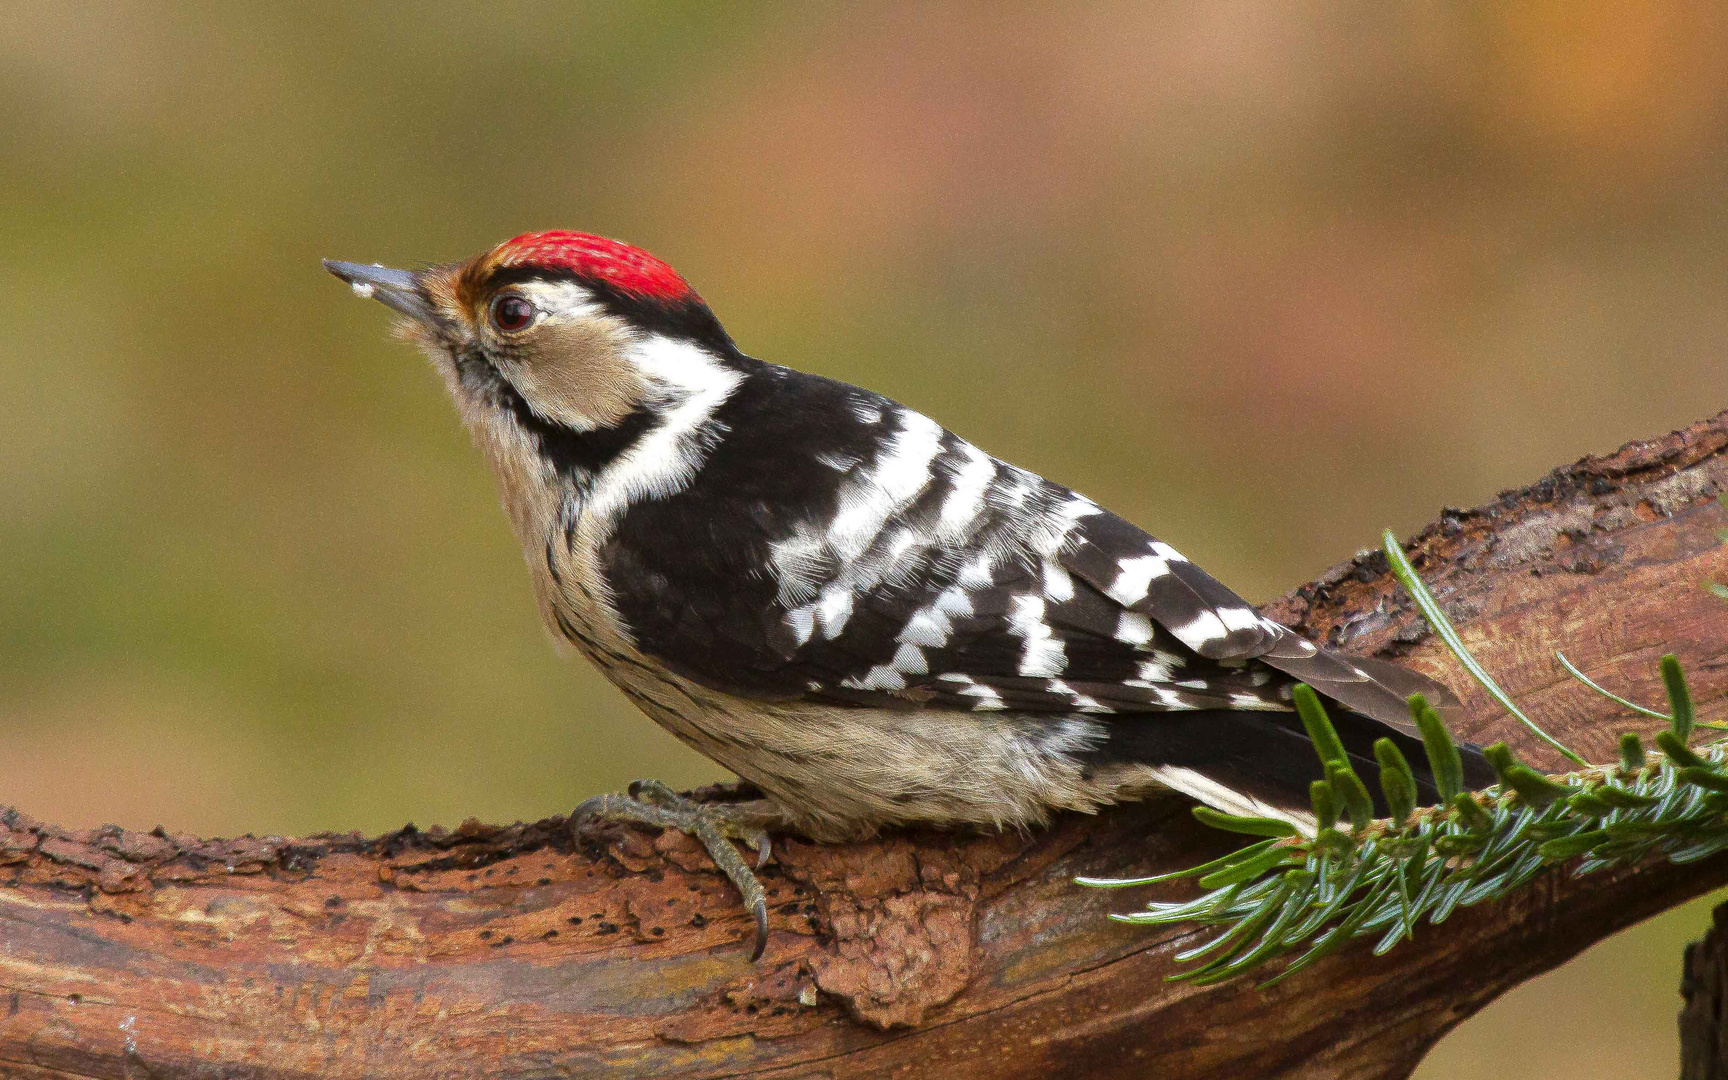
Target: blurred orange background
{"type": "Point", "coordinates": [1262, 277]}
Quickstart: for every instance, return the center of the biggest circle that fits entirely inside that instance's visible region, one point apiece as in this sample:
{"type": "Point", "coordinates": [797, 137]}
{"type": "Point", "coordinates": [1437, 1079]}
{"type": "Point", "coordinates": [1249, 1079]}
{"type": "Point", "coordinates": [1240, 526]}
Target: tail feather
{"type": "Point", "coordinates": [1355, 685]}
{"type": "Point", "coordinates": [1261, 763]}
{"type": "Point", "coordinates": [1376, 699]}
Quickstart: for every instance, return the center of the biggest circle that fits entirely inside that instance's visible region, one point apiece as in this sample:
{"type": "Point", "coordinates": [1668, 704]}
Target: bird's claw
{"type": "Point", "coordinates": [714, 825]}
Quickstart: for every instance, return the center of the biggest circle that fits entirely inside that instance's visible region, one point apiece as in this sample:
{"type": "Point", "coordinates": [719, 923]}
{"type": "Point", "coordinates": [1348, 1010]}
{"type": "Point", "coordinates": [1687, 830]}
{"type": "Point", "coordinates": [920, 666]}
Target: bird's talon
{"type": "Point", "coordinates": [651, 802]}
{"type": "Point", "coordinates": [760, 911]}
{"type": "Point", "coordinates": [656, 793]}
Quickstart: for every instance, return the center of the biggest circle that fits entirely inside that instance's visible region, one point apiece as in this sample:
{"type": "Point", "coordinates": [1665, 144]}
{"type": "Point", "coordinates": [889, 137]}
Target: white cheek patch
{"type": "Point", "coordinates": [664, 461]}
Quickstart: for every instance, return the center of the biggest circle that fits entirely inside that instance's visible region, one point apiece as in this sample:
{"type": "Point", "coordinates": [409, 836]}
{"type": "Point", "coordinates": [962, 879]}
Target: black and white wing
{"type": "Point", "coordinates": [891, 564]}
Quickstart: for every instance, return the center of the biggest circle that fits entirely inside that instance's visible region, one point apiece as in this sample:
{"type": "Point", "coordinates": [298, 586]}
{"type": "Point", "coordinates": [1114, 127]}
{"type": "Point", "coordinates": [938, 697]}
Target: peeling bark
{"type": "Point", "coordinates": [519, 952]}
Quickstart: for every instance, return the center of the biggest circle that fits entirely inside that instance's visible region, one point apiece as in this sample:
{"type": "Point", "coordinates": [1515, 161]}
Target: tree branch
{"type": "Point", "coordinates": [1704, 1017]}
{"type": "Point", "coordinates": [514, 952]}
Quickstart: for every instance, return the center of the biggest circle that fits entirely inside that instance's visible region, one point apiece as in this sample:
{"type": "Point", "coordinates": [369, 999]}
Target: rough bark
{"type": "Point", "coordinates": [515, 952]}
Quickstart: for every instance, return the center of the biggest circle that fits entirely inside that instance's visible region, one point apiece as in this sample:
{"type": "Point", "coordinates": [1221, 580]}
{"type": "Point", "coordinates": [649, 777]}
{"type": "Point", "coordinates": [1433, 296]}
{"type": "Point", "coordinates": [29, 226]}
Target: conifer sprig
{"type": "Point", "coordinates": [1298, 898]}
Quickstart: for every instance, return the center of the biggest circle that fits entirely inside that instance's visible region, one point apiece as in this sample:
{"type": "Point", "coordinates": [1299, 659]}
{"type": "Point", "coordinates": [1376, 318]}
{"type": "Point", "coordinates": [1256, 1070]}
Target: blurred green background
{"type": "Point", "coordinates": [1262, 277]}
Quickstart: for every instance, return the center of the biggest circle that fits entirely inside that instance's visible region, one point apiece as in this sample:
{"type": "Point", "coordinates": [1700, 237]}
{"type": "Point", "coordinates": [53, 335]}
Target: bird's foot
{"type": "Point", "coordinates": [715, 825]}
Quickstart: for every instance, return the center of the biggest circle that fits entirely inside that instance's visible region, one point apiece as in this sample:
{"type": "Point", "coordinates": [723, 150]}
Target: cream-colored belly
{"type": "Point", "coordinates": [841, 772]}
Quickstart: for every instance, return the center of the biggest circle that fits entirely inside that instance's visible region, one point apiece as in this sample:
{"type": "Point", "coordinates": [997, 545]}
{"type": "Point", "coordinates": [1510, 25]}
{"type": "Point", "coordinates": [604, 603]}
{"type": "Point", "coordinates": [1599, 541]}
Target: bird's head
{"type": "Point", "coordinates": [558, 330]}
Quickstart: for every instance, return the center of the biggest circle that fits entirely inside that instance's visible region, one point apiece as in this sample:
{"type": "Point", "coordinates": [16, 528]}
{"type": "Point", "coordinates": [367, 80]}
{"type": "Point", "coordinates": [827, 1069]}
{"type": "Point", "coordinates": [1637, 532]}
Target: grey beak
{"type": "Point", "coordinates": [398, 289]}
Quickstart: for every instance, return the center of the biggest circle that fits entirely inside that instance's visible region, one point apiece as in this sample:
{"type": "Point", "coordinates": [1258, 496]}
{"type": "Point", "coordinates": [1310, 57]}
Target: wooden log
{"type": "Point", "coordinates": [519, 952]}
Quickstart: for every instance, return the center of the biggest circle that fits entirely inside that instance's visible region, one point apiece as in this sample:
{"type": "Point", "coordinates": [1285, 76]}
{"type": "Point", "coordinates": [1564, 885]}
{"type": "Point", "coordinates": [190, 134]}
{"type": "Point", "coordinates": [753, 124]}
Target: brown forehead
{"type": "Point", "coordinates": [468, 279]}
{"type": "Point", "coordinates": [458, 287]}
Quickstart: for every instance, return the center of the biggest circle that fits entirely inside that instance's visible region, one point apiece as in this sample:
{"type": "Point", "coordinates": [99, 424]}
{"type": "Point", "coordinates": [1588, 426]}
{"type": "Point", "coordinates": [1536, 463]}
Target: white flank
{"type": "Point", "coordinates": [1015, 487]}
{"type": "Point", "coordinates": [1077, 507]}
{"type": "Point", "coordinates": [899, 543]}
{"type": "Point", "coordinates": [1056, 531]}
{"type": "Point", "coordinates": [1251, 701]}
{"type": "Point", "coordinates": [1082, 702]}
{"type": "Point", "coordinates": [1161, 694]}
{"type": "Point", "coordinates": [798, 561]}
{"type": "Point", "coordinates": [837, 462]}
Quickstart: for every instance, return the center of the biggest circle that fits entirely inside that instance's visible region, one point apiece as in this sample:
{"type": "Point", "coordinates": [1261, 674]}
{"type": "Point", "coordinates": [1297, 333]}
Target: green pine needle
{"type": "Point", "coordinates": [1616, 698]}
{"type": "Point", "coordinates": [1430, 608]}
{"type": "Point", "coordinates": [1293, 899]}
{"type": "Point", "coordinates": [1236, 823]}
{"type": "Point", "coordinates": [1444, 760]}
{"type": "Point", "coordinates": [1679, 697]}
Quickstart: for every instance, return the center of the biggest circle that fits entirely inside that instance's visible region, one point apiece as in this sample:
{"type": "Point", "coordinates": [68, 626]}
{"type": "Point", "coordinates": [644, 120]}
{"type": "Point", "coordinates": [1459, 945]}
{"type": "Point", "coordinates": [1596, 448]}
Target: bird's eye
{"type": "Point", "coordinates": [511, 313]}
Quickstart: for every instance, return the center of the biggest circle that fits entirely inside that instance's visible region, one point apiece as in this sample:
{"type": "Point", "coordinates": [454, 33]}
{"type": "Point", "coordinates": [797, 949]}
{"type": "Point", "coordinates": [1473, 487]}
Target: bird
{"type": "Point", "coordinates": [863, 615]}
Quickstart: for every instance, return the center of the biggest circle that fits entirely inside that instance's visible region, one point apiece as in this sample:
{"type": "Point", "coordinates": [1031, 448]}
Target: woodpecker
{"type": "Point", "coordinates": [860, 613]}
